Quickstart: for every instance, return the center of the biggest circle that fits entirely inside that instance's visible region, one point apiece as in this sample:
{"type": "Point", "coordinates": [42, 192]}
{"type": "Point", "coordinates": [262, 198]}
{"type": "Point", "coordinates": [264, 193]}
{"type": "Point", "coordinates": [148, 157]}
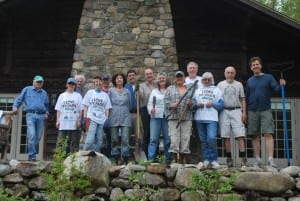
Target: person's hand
{"type": "Point", "coordinates": [78, 123]}
{"type": "Point", "coordinates": [57, 124]}
{"type": "Point", "coordinates": [87, 124]}
{"type": "Point", "coordinates": [14, 111]}
{"type": "Point", "coordinates": [152, 110]}
{"type": "Point", "coordinates": [209, 104]}
{"type": "Point", "coordinates": [282, 82]}
{"type": "Point", "coordinates": [200, 105]}
{"type": "Point", "coordinates": [174, 105]}
{"type": "Point", "coordinates": [189, 102]}
{"type": "Point", "coordinates": [45, 116]}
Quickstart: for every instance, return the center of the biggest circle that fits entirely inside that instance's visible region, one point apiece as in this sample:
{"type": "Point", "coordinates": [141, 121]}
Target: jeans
{"type": "Point", "coordinates": [114, 131]}
{"type": "Point", "coordinates": [158, 125]}
{"type": "Point", "coordinates": [35, 127]}
{"type": "Point", "coordinates": [94, 137]}
{"type": "Point", "coordinates": [208, 136]}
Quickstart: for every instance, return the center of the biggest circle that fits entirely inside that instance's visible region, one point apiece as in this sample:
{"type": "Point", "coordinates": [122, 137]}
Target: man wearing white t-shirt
{"type": "Point", "coordinates": [96, 109]}
{"type": "Point", "coordinates": [192, 70]}
{"type": "Point", "coordinates": [68, 115]}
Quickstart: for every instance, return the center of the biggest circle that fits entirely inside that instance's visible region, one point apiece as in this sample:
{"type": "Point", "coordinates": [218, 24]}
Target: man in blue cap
{"type": "Point", "coordinates": [37, 110]}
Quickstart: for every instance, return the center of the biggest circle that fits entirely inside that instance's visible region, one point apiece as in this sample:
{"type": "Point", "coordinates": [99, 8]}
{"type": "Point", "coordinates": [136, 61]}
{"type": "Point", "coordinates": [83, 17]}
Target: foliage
{"type": "Point", "coordinates": [135, 177]}
{"type": "Point", "coordinates": [290, 8]}
{"type": "Point", "coordinates": [212, 182]}
{"type": "Point", "coordinates": [5, 197]}
{"type": "Point", "coordinates": [161, 159]}
{"type": "Point", "coordinates": [61, 186]}
{"type": "Point", "coordinates": [145, 163]}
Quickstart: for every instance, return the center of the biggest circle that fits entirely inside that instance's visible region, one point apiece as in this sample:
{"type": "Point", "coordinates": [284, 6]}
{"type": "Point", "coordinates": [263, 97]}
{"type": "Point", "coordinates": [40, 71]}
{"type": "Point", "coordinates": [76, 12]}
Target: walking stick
{"type": "Point", "coordinates": [139, 154]}
{"type": "Point", "coordinates": [280, 67]}
{"type": "Point", "coordinates": [186, 106]}
{"type": "Point", "coordinates": [286, 136]}
{"type": "Point", "coordinates": [181, 99]}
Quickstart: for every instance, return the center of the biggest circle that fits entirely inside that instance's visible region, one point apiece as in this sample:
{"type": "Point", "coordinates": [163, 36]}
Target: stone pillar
{"type": "Point", "coordinates": [115, 36]}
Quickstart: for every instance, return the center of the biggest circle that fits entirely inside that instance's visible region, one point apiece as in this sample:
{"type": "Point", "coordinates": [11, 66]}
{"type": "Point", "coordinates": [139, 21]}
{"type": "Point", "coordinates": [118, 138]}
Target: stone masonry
{"type": "Point", "coordinates": [116, 35]}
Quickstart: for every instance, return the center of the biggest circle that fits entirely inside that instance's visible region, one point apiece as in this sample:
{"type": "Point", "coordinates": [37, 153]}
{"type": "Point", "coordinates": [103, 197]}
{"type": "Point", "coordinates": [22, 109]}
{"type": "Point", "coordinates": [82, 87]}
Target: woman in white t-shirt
{"type": "Point", "coordinates": [68, 115]}
{"type": "Point", "coordinates": [158, 121]}
{"type": "Point", "coordinates": [207, 102]}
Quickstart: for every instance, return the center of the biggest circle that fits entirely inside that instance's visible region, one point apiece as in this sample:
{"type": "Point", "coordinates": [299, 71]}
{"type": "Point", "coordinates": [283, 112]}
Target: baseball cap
{"type": "Point", "coordinates": [179, 73]}
{"type": "Point", "coordinates": [105, 77]}
{"type": "Point", "coordinates": [38, 78]}
{"type": "Point", "coordinates": [71, 80]}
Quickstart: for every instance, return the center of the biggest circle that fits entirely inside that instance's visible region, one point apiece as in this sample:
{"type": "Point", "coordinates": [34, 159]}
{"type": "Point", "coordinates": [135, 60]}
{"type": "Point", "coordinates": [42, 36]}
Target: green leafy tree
{"type": "Point", "coordinates": [290, 8]}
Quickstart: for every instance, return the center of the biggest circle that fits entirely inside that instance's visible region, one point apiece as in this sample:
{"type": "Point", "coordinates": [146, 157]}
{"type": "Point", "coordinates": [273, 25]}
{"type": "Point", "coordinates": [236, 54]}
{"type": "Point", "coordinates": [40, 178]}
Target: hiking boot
{"type": "Point", "coordinates": [271, 163]}
{"type": "Point", "coordinates": [229, 162]}
{"type": "Point", "coordinates": [215, 165]}
{"type": "Point", "coordinates": [244, 162]}
{"type": "Point", "coordinates": [257, 164]}
{"type": "Point", "coordinates": [206, 164]}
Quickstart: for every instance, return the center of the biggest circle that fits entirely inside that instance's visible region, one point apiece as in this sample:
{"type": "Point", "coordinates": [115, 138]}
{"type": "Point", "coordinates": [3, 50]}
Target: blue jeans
{"type": "Point", "coordinates": [35, 127]}
{"type": "Point", "coordinates": [158, 125]}
{"type": "Point", "coordinates": [114, 131]}
{"type": "Point", "coordinates": [94, 137]}
{"type": "Point", "coordinates": [208, 136]}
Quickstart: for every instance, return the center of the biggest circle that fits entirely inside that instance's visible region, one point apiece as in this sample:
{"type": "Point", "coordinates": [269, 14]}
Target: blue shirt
{"type": "Point", "coordinates": [129, 87]}
{"type": "Point", "coordinates": [259, 90]}
{"type": "Point", "coordinates": [35, 100]}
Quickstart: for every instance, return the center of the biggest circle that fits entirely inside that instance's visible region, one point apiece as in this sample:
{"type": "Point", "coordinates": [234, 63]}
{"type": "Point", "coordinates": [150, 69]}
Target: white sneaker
{"type": "Point", "coordinates": [206, 164]}
{"type": "Point", "coordinates": [257, 164]}
{"type": "Point", "coordinates": [271, 163]}
{"type": "Point", "coordinates": [215, 165]}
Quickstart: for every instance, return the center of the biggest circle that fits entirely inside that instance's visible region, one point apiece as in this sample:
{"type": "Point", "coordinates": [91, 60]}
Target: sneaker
{"type": "Point", "coordinates": [229, 162]}
{"type": "Point", "coordinates": [244, 162]}
{"type": "Point", "coordinates": [271, 163]}
{"type": "Point", "coordinates": [215, 165]}
{"type": "Point", "coordinates": [257, 163]}
{"type": "Point", "coordinates": [206, 164]}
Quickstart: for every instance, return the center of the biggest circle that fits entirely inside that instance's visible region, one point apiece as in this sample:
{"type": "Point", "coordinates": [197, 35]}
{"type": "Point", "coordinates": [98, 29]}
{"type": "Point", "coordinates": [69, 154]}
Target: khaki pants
{"type": "Point", "coordinates": [180, 137]}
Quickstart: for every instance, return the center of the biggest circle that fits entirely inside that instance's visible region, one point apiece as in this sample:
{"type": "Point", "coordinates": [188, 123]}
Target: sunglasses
{"type": "Point", "coordinates": [206, 79]}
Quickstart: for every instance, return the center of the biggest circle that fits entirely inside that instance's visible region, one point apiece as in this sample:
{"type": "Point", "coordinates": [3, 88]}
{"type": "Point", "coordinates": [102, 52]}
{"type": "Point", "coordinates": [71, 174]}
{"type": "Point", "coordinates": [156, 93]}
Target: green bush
{"type": "Point", "coordinates": [212, 182]}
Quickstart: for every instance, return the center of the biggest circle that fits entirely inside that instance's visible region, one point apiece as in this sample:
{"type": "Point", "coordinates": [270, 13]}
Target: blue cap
{"type": "Point", "coordinates": [38, 78]}
{"type": "Point", "coordinates": [179, 73]}
{"type": "Point", "coordinates": [105, 77]}
{"type": "Point", "coordinates": [71, 80]}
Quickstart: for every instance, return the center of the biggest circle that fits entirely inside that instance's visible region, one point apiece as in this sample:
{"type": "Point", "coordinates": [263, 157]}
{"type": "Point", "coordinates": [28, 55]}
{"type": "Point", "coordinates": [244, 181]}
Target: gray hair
{"type": "Point", "coordinates": [80, 76]}
{"type": "Point", "coordinates": [191, 62]}
{"type": "Point", "coordinates": [208, 75]}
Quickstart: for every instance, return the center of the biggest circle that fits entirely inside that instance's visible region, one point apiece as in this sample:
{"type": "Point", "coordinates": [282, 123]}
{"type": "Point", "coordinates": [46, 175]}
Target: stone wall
{"type": "Point", "coordinates": [154, 182]}
{"type": "Point", "coordinates": [115, 36]}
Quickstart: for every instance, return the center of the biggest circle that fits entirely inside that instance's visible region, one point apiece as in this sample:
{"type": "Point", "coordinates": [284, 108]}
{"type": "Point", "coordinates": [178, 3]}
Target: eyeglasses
{"type": "Point", "coordinates": [206, 79]}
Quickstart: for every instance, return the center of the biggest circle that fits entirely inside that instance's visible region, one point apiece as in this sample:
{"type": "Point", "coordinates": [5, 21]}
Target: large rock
{"type": "Point", "coordinates": [183, 177]}
{"type": "Point", "coordinates": [274, 183]}
{"type": "Point", "coordinates": [94, 164]}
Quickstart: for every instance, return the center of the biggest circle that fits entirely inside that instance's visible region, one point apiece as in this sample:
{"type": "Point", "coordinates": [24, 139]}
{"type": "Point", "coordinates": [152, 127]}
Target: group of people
{"type": "Point", "coordinates": [167, 108]}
